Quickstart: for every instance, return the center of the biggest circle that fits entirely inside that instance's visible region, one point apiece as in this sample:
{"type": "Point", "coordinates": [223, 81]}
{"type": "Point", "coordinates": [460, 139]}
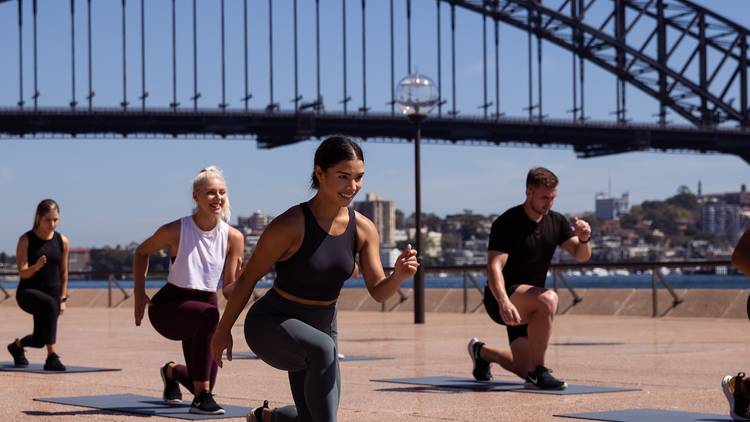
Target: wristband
{"type": "Point", "coordinates": [584, 241]}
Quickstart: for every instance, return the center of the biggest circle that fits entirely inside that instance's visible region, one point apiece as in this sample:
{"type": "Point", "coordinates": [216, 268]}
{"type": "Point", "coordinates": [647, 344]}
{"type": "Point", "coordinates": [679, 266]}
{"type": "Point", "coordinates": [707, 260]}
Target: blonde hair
{"type": "Point", "coordinates": [202, 177]}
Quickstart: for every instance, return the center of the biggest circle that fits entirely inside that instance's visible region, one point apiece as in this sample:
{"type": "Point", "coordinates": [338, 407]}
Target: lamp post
{"type": "Point", "coordinates": [416, 96]}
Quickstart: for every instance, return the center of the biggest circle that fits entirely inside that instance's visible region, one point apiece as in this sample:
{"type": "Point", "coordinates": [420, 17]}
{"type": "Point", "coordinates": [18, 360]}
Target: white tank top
{"type": "Point", "coordinates": [200, 256]}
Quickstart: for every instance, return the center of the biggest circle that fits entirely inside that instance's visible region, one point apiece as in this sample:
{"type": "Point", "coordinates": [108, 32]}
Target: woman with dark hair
{"type": "Point", "coordinates": [42, 259]}
{"type": "Point", "coordinates": [313, 247]}
{"type": "Point", "coordinates": [204, 249]}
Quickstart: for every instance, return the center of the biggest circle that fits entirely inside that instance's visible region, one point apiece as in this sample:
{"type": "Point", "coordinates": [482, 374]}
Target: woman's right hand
{"type": "Point", "coordinates": [139, 306]}
{"type": "Point", "coordinates": [220, 341]}
{"type": "Point", "coordinates": [40, 262]}
{"type": "Point", "coordinates": [509, 313]}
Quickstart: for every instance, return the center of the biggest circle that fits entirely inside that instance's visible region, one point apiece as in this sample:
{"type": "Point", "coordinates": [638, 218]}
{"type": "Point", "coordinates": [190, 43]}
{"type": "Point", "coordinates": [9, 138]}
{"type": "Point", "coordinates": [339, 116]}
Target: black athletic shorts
{"type": "Point", "coordinates": [493, 310]}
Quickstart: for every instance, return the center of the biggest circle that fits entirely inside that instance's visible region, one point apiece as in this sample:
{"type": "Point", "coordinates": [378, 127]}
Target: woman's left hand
{"type": "Point", "coordinates": [406, 264]}
{"type": "Point", "coordinates": [62, 308]}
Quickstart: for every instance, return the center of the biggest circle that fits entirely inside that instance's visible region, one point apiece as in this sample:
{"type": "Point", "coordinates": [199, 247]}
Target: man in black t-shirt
{"type": "Point", "coordinates": [522, 243]}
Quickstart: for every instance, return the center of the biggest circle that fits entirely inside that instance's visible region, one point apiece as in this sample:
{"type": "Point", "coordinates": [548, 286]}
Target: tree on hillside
{"type": "Point", "coordinates": [684, 199]}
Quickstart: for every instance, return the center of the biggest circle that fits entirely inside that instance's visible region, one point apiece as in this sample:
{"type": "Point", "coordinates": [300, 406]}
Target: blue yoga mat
{"type": "Point", "coordinates": [38, 368]}
{"type": "Point", "coordinates": [515, 386]}
{"type": "Point", "coordinates": [144, 405]}
{"type": "Point", "coordinates": [647, 415]}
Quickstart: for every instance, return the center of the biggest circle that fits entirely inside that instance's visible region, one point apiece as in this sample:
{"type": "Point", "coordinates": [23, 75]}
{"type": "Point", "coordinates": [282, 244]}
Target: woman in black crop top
{"type": "Point", "coordinates": [313, 247]}
{"type": "Point", "coordinates": [42, 259]}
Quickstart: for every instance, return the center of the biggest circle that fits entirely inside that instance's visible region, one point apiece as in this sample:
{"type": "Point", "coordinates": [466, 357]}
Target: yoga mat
{"type": "Point", "coordinates": [499, 385]}
{"type": "Point", "coordinates": [143, 405]}
{"type": "Point", "coordinates": [38, 368]}
{"type": "Point", "coordinates": [646, 415]}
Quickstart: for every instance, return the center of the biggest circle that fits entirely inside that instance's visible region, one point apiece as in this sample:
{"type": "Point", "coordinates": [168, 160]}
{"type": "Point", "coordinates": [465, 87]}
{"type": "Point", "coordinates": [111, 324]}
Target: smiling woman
{"type": "Point", "coordinates": [203, 250]}
{"type": "Point", "coordinates": [313, 247]}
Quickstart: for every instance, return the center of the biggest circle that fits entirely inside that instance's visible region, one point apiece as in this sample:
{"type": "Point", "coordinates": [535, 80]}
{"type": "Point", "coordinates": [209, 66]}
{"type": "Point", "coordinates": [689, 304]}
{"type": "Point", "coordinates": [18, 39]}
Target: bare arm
{"type": "Point", "coordinates": [495, 262]}
{"type": "Point", "coordinates": [167, 235]}
{"type": "Point", "coordinates": [64, 272]}
{"type": "Point", "coordinates": [25, 270]}
{"type": "Point", "coordinates": [581, 252]}
{"type": "Point", "coordinates": [274, 244]}
{"type": "Point", "coordinates": [741, 255]}
{"type": "Point", "coordinates": [233, 261]}
{"type": "Point", "coordinates": [380, 286]}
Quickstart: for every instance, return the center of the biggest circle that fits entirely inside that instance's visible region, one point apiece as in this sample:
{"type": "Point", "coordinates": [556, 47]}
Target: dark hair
{"type": "Point", "coordinates": [332, 150]}
{"type": "Point", "coordinates": [540, 176]}
{"type": "Point", "coordinates": [47, 205]}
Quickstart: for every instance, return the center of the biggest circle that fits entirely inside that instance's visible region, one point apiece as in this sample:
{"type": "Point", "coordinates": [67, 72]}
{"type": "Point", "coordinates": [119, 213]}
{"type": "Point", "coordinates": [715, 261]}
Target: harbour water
{"type": "Point", "coordinates": [632, 281]}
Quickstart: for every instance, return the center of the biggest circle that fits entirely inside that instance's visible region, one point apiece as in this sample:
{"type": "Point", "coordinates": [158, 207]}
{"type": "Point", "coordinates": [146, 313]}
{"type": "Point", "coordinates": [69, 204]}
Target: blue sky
{"type": "Point", "coordinates": [114, 191]}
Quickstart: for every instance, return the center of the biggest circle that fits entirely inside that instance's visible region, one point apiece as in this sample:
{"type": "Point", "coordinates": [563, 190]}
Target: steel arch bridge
{"type": "Point", "coordinates": [692, 61]}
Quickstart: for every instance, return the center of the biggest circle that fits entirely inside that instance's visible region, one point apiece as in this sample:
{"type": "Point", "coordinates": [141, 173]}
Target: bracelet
{"type": "Point", "coordinates": [584, 241]}
{"type": "Point", "coordinates": [64, 299]}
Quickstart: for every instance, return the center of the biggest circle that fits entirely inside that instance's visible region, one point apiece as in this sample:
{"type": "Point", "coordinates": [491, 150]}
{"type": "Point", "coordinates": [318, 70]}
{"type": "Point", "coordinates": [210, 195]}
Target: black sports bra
{"type": "Point", "coordinates": [318, 270]}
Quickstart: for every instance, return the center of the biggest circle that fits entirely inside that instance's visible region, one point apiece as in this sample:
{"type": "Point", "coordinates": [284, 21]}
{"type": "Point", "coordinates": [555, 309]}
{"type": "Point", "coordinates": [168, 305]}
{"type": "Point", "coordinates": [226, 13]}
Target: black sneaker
{"type": "Point", "coordinates": [739, 404]}
{"type": "Point", "coordinates": [481, 369]}
{"type": "Point", "coordinates": [172, 393]}
{"type": "Point", "coordinates": [19, 355]}
{"type": "Point", "coordinates": [542, 379]}
{"type": "Point", "coordinates": [53, 363]}
{"type": "Point", "coordinates": [204, 404]}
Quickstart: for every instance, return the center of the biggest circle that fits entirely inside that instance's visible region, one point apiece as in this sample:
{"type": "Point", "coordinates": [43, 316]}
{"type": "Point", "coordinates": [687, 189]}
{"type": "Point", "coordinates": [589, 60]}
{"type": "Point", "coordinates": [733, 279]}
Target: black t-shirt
{"type": "Point", "coordinates": [529, 245]}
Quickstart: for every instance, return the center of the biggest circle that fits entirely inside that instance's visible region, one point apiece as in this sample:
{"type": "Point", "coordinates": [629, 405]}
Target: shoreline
{"type": "Point", "coordinates": [697, 303]}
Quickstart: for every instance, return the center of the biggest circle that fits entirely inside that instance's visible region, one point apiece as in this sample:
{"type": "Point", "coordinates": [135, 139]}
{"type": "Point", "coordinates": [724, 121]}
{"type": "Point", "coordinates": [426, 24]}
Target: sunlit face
{"type": "Point", "coordinates": [211, 196]}
{"type": "Point", "coordinates": [341, 182]}
{"type": "Point", "coordinates": [540, 198]}
{"type": "Point", "coordinates": [48, 222]}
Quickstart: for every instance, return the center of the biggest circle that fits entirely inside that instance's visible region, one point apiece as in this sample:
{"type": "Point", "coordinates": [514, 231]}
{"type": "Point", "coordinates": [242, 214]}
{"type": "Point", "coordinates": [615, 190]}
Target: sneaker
{"type": "Point", "coordinates": [19, 355]}
{"type": "Point", "coordinates": [257, 413]}
{"type": "Point", "coordinates": [53, 363]}
{"type": "Point", "coordinates": [172, 393]}
{"type": "Point", "coordinates": [481, 369]}
{"type": "Point", "coordinates": [542, 379]}
{"type": "Point", "coordinates": [739, 404]}
{"type": "Point", "coordinates": [204, 404]}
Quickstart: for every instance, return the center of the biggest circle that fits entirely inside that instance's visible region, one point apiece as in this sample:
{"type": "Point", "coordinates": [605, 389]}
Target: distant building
{"type": "Point", "coordinates": [388, 256]}
{"type": "Point", "coordinates": [721, 218]}
{"type": "Point", "coordinates": [611, 208]}
{"type": "Point", "coordinates": [79, 259]}
{"type": "Point", "coordinates": [740, 198]}
{"type": "Point", "coordinates": [383, 213]}
{"type": "Point", "coordinates": [256, 222]}
{"type": "Point", "coordinates": [251, 228]}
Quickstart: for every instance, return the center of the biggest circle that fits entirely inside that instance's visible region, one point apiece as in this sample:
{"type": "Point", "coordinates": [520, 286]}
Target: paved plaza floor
{"type": "Point", "coordinates": [677, 363]}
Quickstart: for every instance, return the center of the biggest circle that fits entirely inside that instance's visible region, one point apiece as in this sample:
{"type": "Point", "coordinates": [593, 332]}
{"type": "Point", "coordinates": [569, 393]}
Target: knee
{"type": "Point", "coordinates": [548, 302]}
{"type": "Point", "coordinates": [210, 318]}
{"type": "Point", "coordinates": [323, 351]}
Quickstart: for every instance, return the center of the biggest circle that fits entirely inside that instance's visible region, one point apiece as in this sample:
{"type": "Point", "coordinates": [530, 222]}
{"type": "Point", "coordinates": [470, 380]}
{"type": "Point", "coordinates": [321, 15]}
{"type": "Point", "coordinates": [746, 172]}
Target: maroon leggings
{"type": "Point", "coordinates": [190, 316]}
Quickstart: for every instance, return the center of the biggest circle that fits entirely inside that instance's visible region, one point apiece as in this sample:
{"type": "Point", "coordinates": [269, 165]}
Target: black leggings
{"type": "Point", "coordinates": [44, 304]}
{"type": "Point", "coordinates": [190, 316]}
{"type": "Point", "coordinates": [302, 340]}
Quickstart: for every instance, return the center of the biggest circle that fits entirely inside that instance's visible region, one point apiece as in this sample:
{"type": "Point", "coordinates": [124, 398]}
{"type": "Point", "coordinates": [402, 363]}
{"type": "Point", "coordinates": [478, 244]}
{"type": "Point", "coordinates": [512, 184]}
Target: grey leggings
{"type": "Point", "coordinates": [301, 340]}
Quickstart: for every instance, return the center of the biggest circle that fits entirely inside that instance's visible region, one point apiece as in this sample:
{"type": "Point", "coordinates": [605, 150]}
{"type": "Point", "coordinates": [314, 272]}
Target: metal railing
{"type": "Point", "coordinates": [470, 274]}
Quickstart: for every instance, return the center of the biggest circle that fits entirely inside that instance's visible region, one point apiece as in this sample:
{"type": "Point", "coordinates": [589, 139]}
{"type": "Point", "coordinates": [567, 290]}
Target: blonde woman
{"type": "Point", "coordinates": [203, 249]}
